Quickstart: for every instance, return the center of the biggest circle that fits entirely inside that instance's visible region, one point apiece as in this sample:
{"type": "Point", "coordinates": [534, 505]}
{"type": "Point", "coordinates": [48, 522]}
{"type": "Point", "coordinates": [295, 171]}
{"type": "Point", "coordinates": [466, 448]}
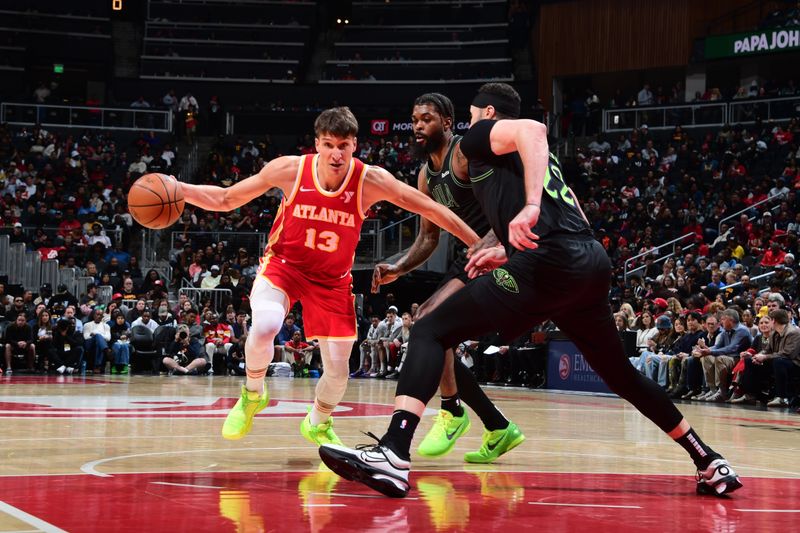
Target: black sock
{"type": "Point", "coordinates": [473, 395]}
{"type": "Point", "coordinates": [453, 405]}
{"type": "Point", "coordinates": [701, 453]}
{"type": "Point", "coordinates": [401, 431]}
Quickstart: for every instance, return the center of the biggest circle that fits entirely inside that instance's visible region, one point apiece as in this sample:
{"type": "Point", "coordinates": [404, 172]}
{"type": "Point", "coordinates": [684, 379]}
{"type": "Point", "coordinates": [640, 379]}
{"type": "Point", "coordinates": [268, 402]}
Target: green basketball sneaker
{"type": "Point", "coordinates": [443, 435]}
{"type": "Point", "coordinates": [240, 418]}
{"type": "Point", "coordinates": [495, 444]}
{"type": "Point", "coordinates": [319, 434]}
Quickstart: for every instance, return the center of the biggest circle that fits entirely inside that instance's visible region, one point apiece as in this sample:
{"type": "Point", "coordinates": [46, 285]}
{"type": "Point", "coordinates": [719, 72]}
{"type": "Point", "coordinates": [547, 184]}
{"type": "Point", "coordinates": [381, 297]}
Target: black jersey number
{"type": "Point", "coordinates": [554, 182]}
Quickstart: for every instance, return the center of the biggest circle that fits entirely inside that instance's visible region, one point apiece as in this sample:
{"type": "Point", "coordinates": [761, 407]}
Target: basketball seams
{"type": "Point", "coordinates": [169, 202]}
{"type": "Point", "coordinates": [149, 205]}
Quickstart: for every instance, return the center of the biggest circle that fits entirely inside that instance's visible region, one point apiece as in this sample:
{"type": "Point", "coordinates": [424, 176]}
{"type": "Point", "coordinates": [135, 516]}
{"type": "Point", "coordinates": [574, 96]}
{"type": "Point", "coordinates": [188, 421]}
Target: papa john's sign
{"type": "Point", "coordinates": [751, 43]}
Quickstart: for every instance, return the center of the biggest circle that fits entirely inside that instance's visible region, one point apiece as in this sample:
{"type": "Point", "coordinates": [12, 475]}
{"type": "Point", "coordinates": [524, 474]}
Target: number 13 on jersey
{"type": "Point", "coordinates": [327, 241]}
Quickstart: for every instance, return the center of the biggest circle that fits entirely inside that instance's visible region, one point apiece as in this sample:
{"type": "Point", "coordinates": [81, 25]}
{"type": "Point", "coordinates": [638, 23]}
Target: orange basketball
{"type": "Point", "coordinates": [156, 201]}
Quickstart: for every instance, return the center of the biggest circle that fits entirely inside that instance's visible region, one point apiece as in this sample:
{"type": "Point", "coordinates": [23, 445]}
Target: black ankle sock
{"type": "Point", "coordinates": [453, 405]}
{"type": "Point", "coordinates": [401, 431]}
{"type": "Point", "coordinates": [701, 453]}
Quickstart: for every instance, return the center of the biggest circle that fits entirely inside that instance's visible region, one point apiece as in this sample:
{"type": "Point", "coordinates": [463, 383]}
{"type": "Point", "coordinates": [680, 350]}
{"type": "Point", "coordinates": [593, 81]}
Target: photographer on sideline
{"type": "Point", "coordinates": [182, 359]}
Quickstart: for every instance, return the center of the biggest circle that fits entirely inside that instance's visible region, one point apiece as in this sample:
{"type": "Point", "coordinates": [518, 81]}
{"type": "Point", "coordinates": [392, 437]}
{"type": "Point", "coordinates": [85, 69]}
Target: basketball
{"type": "Point", "coordinates": [156, 201]}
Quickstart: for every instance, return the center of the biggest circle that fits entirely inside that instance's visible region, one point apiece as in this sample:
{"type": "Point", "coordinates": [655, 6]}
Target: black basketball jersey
{"type": "Point", "coordinates": [455, 194]}
{"type": "Point", "coordinates": [499, 185]}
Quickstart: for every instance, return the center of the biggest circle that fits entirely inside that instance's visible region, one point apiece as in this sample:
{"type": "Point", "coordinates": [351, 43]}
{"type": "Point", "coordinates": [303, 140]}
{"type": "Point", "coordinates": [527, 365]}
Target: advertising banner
{"type": "Point", "coordinates": [568, 370]}
{"type": "Point", "coordinates": [752, 43]}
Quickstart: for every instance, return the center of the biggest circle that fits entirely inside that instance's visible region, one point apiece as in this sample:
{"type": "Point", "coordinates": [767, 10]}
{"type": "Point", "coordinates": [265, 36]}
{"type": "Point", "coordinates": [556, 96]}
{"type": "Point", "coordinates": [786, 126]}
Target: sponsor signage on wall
{"type": "Point", "coordinates": [752, 43]}
{"type": "Point", "coordinates": [568, 370]}
{"type": "Point", "coordinates": [391, 127]}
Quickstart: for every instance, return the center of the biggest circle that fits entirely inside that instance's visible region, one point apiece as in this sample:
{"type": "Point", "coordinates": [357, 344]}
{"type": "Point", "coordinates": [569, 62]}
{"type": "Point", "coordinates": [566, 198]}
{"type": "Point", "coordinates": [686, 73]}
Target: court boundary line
{"type": "Point", "coordinates": [426, 470]}
{"type": "Point", "coordinates": [29, 519]}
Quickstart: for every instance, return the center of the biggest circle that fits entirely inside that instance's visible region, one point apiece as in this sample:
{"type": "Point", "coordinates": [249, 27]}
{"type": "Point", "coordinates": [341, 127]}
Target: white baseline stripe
{"type": "Point", "coordinates": [19, 514]}
{"type": "Point", "coordinates": [768, 510]}
{"type": "Point", "coordinates": [586, 505]}
{"type": "Point", "coordinates": [345, 495]}
{"type": "Point", "coordinates": [185, 485]}
{"type": "Point", "coordinates": [324, 505]}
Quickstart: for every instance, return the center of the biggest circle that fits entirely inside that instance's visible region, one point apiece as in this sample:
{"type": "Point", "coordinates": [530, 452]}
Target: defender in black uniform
{"type": "Point", "coordinates": [445, 178]}
{"type": "Point", "coordinates": [554, 269]}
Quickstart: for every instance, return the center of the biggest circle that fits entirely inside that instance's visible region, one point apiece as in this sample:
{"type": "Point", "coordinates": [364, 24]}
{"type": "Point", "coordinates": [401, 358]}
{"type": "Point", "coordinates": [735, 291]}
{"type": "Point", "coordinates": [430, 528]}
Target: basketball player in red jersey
{"type": "Point", "coordinates": [309, 257]}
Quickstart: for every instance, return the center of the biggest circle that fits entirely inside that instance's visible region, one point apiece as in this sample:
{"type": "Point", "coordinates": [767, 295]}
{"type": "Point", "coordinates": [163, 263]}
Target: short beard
{"type": "Point", "coordinates": [433, 144]}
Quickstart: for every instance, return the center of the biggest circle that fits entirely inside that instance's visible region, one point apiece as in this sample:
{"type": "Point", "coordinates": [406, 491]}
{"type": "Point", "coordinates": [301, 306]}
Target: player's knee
{"type": "Point", "coordinates": [424, 330]}
{"type": "Point", "coordinates": [264, 331]}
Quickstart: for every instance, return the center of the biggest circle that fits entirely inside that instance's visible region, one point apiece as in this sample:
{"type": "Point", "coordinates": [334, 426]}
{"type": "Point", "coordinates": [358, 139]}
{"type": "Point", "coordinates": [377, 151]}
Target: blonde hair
{"type": "Point", "coordinates": [674, 306]}
{"type": "Point", "coordinates": [630, 315]}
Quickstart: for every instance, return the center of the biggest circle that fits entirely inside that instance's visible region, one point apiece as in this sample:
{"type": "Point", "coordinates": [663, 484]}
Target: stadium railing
{"type": "Point", "coordinates": [5, 254]}
{"type": "Point", "coordinates": [747, 210]}
{"type": "Point", "coordinates": [746, 111]}
{"type": "Point", "coordinates": [666, 117]}
{"type": "Point", "coordinates": [630, 260]}
{"type": "Point", "coordinates": [108, 118]}
{"type": "Point", "coordinates": [196, 296]}
{"type": "Point", "coordinates": [253, 242]}
{"type": "Point", "coordinates": [701, 114]}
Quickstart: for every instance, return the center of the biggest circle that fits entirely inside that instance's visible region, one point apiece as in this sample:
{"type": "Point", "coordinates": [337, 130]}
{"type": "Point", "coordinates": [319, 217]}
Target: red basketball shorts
{"type": "Point", "coordinates": [329, 312]}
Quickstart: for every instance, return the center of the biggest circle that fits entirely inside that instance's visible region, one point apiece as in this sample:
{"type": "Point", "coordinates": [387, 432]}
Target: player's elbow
{"type": "Point", "coordinates": [227, 202]}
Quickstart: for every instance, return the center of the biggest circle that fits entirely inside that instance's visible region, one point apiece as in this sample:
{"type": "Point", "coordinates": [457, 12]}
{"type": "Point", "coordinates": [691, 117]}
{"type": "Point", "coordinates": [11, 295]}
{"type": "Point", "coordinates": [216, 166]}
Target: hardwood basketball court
{"type": "Point", "coordinates": [145, 454]}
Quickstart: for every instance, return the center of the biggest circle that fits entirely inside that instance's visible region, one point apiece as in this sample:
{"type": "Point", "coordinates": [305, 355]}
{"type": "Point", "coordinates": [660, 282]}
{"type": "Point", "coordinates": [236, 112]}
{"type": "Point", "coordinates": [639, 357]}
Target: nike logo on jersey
{"type": "Point", "coordinates": [445, 173]}
{"type": "Point", "coordinates": [303, 189]}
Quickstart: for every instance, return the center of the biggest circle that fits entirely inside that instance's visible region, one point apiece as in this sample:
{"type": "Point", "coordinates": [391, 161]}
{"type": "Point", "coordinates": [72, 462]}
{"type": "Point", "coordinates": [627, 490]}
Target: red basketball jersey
{"type": "Point", "coordinates": [316, 231]}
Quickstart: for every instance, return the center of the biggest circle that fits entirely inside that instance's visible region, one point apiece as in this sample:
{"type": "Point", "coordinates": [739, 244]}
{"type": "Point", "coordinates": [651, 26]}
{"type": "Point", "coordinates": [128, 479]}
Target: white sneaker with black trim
{"type": "Point", "coordinates": [374, 465]}
{"type": "Point", "coordinates": [718, 479]}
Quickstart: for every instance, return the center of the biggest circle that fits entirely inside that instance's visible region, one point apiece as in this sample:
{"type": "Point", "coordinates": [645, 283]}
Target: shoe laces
{"type": "Point", "coordinates": [442, 419]}
{"type": "Point", "coordinates": [370, 447]}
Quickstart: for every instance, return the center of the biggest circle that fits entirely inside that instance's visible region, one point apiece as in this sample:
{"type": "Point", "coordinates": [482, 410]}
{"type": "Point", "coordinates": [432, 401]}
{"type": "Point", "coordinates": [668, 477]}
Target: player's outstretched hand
{"type": "Point", "coordinates": [519, 230]}
{"type": "Point", "coordinates": [485, 260]}
{"type": "Point", "coordinates": [383, 274]}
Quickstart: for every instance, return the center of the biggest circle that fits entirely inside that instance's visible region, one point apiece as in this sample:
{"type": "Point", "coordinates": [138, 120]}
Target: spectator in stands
{"type": "Point", "coordinates": [128, 292]}
{"type": "Point", "coordinates": [145, 320]}
{"type": "Point", "coordinates": [369, 350]}
{"type": "Point", "coordinates": [645, 96]}
{"type": "Point", "coordinates": [681, 351]}
{"type": "Point", "coordinates": [284, 335]}
{"type": "Point", "coordinates": [236, 357]}
{"type": "Point", "coordinates": [387, 329]}
{"type": "Point", "coordinates": [43, 339]}
{"type": "Point", "coordinates": [217, 337]}
{"type": "Point", "coordinates": [41, 94]}
{"type": "Point", "coordinates": [163, 316]}
{"type": "Point", "coordinates": [97, 335]}
{"type": "Point", "coordinates": [120, 344]}
{"type": "Point", "coordinates": [650, 360]}
{"type": "Point", "coordinates": [140, 103]}
{"type": "Point", "coordinates": [67, 350]}
{"type": "Point", "coordinates": [212, 280]}
{"type": "Point", "coordinates": [784, 352]}
{"type": "Point", "coordinates": [774, 256]}
{"type": "Point", "coordinates": [398, 343]}
{"type": "Point", "coordinates": [16, 308]}
{"type": "Point", "coordinates": [19, 342]}
{"type": "Point", "coordinates": [645, 330]}
{"type": "Point", "coordinates": [754, 374]}
{"type": "Point", "coordinates": [138, 309]}
{"type": "Point", "coordinates": [301, 352]}
{"type": "Point", "coordinates": [718, 360]}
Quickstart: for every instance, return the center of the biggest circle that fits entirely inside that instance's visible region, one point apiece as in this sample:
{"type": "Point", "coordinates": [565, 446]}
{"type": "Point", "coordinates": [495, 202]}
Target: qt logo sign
{"type": "Point", "coordinates": [379, 127]}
